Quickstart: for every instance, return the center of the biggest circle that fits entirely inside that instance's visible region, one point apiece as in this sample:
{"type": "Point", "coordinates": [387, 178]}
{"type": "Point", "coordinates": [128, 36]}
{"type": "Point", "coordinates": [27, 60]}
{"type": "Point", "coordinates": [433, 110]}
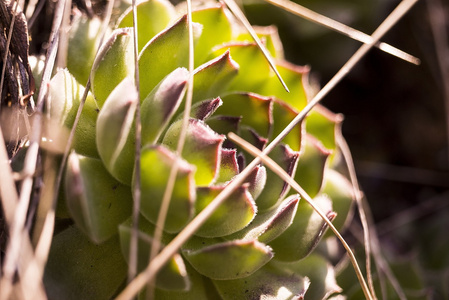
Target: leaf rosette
{"type": "Point", "coordinates": [262, 227]}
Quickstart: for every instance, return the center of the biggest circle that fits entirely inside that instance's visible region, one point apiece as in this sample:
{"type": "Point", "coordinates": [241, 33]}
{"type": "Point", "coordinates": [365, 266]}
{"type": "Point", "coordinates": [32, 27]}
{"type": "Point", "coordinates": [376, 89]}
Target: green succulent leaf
{"type": "Point", "coordinates": [224, 125]}
{"type": "Point", "coordinates": [212, 78]}
{"type": "Point", "coordinates": [304, 233]}
{"type": "Point", "coordinates": [268, 225]}
{"type": "Point", "coordinates": [115, 138]}
{"type": "Point", "coordinates": [277, 188]}
{"type": "Point", "coordinates": [255, 111]}
{"type": "Point", "coordinates": [340, 190]}
{"type": "Point", "coordinates": [321, 274]}
{"type": "Point", "coordinates": [311, 166]}
{"type": "Point", "coordinates": [160, 105]}
{"type": "Point", "coordinates": [296, 78]}
{"type": "Point", "coordinates": [252, 137]}
{"type": "Point", "coordinates": [233, 215]}
{"type": "Point", "coordinates": [165, 52]}
{"type": "Point", "coordinates": [79, 269]}
{"type": "Point", "coordinates": [204, 109]}
{"type": "Point", "coordinates": [200, 288]}
{"type": "Point", "coordinates": [84, 38]}
{"type": "Point", "coordinates": [202, 148]}
{"type": "Point", "coordinates": [152, 17]}
{"type": "Point", "coordinates": [256, 181]}
{"type": "Point", "coordinates": [269, 36]}
{"type": "Point", "coordinates": [228, 166]}
{"type": "Point", "coordinates": [270, 282]}
{"type": "Point", "coordinates": [173, 276]}
{"type": "Point", "coordinates": [283, 114]}
{"type": "Point", "coordinates": [226, 260]}
{"type": "Point", "coordinates": [96, 201]}
{"type": "Point", "coordinates": [254, 68]}
{"type": "Point", "coordinates": [65, 95]}
{"type": "Point", "coordinates": [323, 124]}
{"type": "Point", "coordinates": [214, 20]}
{"type": "Point", "coordinates": [156, 164]}
{"type": "Point", "coordinates": [113, 63]}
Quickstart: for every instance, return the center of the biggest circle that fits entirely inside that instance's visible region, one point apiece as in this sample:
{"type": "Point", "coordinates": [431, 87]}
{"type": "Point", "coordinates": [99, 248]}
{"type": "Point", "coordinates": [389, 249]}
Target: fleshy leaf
{"type": "Point", "coordinates": [78, 269]}
{"type": "Point", "coordinates": [268, 283]}
{"type": "Point", "coordinates": [252, 137]}
{"type": "Point", "coordinates": [256, 181]}
{"type": "Point", "coordinates": [65, 94]}
{"type": "Point", "coordinates": [226, 260]}
{"type": "Point", "coordinates": [321, 274]}
{"type": "Point", "coordinates": [233, 215]}
{"type": "Point", "coordinates": [254, 68]}
{"type": "Point", "coordinates": [115, 138]}
{"type": "Point", "coordinates": [295, 77]}
{"type": "Point", "coordinates": [212, 78]}
{"type": "Point", "coordinates": [304, 233]}
{"type": "Point", "coordinates": [276, 187]}
{"type": "Point", "coordinates": [228, 166]}
{"type": "Point", "coordinates": [224, 125]}
{"type": "Point", "coordinates": [269, 36]}
{"type": "Point", "coordinates": [113, 63]}
{"type": "Point", "coordinates": [152, 17]}
{"type": "Point", "coordinates": [311, 166]}
{"type": "Point", "coordinates": [283, 114]}
{"type": "Point", "coordinates": [159, 106]}
{"type": "Point", "coordinates": [214, 20]}
{"type": "Point", "coordinates": [254, 110]}
{"type": "Point", "coordinates": [340, 190]}
{"type": "Point", "coordinates": [156, 163]}
{"type": "Point", "coordinates": [173, 276]}
{"type": "Point", "coordinates": [84, 38]}
{"type": "Point", "coordinates": [202, 148]}
{"type": "Point", "coordinates": [268, 225]}
{"type": "Point", "coordinates": [165, 52]}
{"type": "Point", "coordinates": [322, 124]}
{"type": "Point", "coordinates": [96, 201]}
{"type": "Point", "coordinates": [203, 110]}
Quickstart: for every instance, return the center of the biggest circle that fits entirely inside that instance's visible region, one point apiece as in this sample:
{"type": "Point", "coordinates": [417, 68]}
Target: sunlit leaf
{"type": "Point", "coordinates": [202, 149]}
{"type": "Point", "coordinates": [156, 163]}
{"type": "Point", "coordinates": [152, 17]}
{"type": "Point", "coordinates": [114, 134]}
{"type": "Point", "coordinates": [65, 94]}
{"type": "Point", "coordinates": [226, 260]}
{"type": "Point", "coordinates": [113, 63]}
{"type": "Point", "coordinates": [160, 105]}
{"type": "Point", "coordinates": [164, 53]}
{"type": "Point", "coordinates": [270, 283]}
{"type": "Point", "coordinates": [233, 215]}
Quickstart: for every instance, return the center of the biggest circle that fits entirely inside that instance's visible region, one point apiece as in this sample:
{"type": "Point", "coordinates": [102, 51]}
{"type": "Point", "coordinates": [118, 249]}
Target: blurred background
{"type": "Point", "coordinates": [395, 120]}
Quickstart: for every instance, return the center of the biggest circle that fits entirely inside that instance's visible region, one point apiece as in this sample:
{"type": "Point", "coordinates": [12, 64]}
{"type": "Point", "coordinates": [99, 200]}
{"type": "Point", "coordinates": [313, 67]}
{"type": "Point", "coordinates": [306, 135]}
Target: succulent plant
{"type": "Point", "coordinates": [259, 242]}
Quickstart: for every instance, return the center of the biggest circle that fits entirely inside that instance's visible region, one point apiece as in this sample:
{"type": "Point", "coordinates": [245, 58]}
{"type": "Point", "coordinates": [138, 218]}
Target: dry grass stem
{"type": "Point", "coordinates": [132, 266]}
{"type": "Point", "coordinates": [18, 226]}
{"type": "Point", "coordinates": [367, 235]}
{"type": "Point", "coordinates": [355, 34]}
